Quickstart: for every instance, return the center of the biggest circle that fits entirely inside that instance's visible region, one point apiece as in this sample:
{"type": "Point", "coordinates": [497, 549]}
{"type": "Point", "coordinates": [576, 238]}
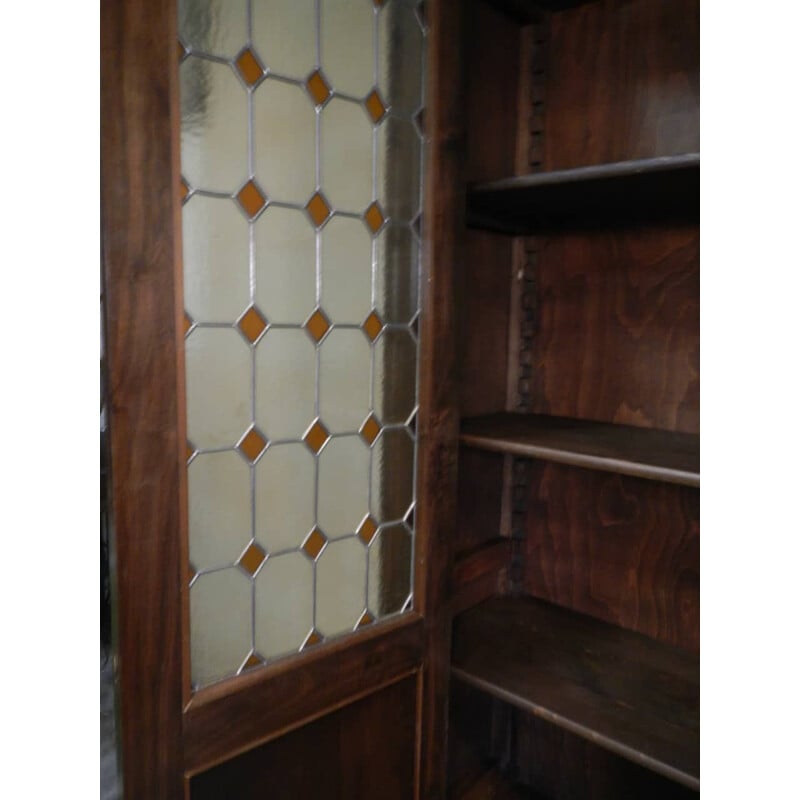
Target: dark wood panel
{"type": "Point", "coordinates": [623, 691]}
{"type": "Point", "coordinates": [493, 48]}
{"type": "Point", "coordinates": [438, 417]}
{"type": "Point", "coordinates": [484, 319]}
{"type": "Point", "coordinates": [493, 785]}
{"type": "Point", "coordinates": [352, 754]}
{"type": "Point", "coordinates": [618, 328]}
{"type": "Point", "coordinates": [622, 549]}
{"type": "Point", "coordinates": [477, 736]}
{"type": "Point", "coordinates": [622, 82]}
{"type": "Point", "coordinates": [665, 188]}
{"type": "Point", "coordinates": [557, 765]}
{"type": "Point", "coordinates": [237, 715]}
{"type": "Point", "coordinates": [481, 573]}
{"type": "Point", "coordinates": [140, 219]}
{"type": "Point", "coordinates": [480, 498]}
{"type": "Point", "coordinates": [641, 452]}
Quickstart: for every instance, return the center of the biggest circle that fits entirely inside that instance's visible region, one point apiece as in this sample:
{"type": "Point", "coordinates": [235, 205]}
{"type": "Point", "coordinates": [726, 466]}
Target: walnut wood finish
{"type": "Point", "coordinates": [622, 82]}
{"type": "Point", "coordinates": [622, 691]}
{"type": "Point", "coordinates": [555, 763]}
{"type": "Point", "coordinates": [622, 549]}
{"type": "Point", "coordinates": [618, 336]}
{"type": "Point", "coordinates": [481, 477]}
{"type": "Point", "coordinates": [667, 187]}
{"type": "Point", "coordinates": [438, 383]}
{"type": "Point", "coordinates": [493, 48]}
{"type": "Point", "coordinates": [481, 573]}
{"type": "Point", "coordinates": [234, 716]}
{"type": "Point", "coordinates": [140, 217]}
{"type": "Point", "coordinates": [351, 753]}
{"type": "Point", "coordinates": [640, 452]}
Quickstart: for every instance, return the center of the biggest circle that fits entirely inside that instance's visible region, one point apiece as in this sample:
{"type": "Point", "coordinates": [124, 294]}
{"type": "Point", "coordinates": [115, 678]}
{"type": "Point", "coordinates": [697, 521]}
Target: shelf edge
{"type": "Point", "coordinates": [636, 756]}
{"type": "Point", "coordinates": [603, 463]}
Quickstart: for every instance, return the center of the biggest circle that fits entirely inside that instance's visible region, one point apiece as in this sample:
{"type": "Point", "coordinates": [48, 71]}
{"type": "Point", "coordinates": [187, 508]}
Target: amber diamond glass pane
{"type": "Point", "coordinates": [253, 444]}
{"type": "Point", "coordinates": [375, 106]}
{"type": "Point", "coordinates": [249, 68]}
{"type": "Point", "coordinates": [252, 559]}
{"type": "Point", "coordinates": [314, 544]}
{"type": "Point", "coordinates": [251, 199]}
{"type": "Point", "coordinates": [301, 151]}
{"type": "Point", "coordinates": [373, 326]}
{"type": "Point", "coordinates": [374, 218]}
{"type": "Point", "coordinates": [253, 660]}
{"type": "Point", "coordinates": [316, 437]}
{"type": "Point", "coordinates": [318, 88]}
{"type": "Point", "coordinates": [318, 209]}
{"type": "Point", "coordinates": [370, 429]}
{"type": "Point", "coordinates": [317, 325]}
{"type": "Point", "coordinates": [252, 325]}
{"type": "Point", "coordinates": [367, 530]}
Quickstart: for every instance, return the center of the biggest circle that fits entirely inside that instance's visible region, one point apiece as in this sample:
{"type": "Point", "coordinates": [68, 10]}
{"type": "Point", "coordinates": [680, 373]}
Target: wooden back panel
{"type": "Point", "coordinates": [623, 82]}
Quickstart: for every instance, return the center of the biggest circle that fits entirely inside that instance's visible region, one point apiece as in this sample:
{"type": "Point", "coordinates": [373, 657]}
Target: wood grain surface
{"type": "Point", "coordinates": [618, 336]}
{"type": "Point", "coordinates": [622, 691]}
{"type": "Point", "coordinates": [622, 82]}
{"type": "Point", "coordinates": [351, 754]}
{"type": "Point", "coordinates": [624, 449]}
{"type": "Point", "coordinates": [622, 549]}
{"type": "Point", "coordinates": [240, 714]}
{"type": "Point", "coordinates": [140, 219]}
{"type": "Point", "coordinates": [437, 431]}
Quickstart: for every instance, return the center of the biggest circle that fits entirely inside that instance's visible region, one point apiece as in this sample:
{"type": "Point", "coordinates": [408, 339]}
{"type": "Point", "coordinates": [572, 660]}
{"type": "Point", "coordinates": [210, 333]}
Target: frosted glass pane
{"type": "Point", "coordinates": [392, 475]}
{"type": "Point", "coordinates": [346, 149]}
{"type": "Point", "coordinates": [285, 496]}
{"type": "Point", "coordinates": [213, 126]}
{"type": "Point", "coordinates": [284, 34]}
{"type": "Point", "coordinates": [216, 260]}
{"type": "Point", "coordinates": [286, 269]}
{"type": "Point", "coordinates": [341, 581]}
{"type": "Point", "coordinates": [220, 520]}
{"type": "Point", "coordinates": [344, 370]}
{"type": "Point", "coordinates": [220, 624]}
{"type": "Point", "coordinates": [389, 570]}
{"type": "Point", "coordinates": [347, 46]}
{"type": "Point", "coordinates": [400, 48]}
{"type": "Point", "coordinates": [398, 169]}
{"type": "Point", "coordinates": [283, 604]}
{"type": "Point", "coordinates": [343, 485]}
{"type": "Point", "coordinates": [395, 376]}
{"type": "Point", "coordinates": [217, 27]}
{"type": "Point", "coordinates": [286, 368]}
{"type": "Point", "coordinates": [346, 270]}
{"type": "Point", "coordinates": [397, 274]}
{"type": "Point", "coordinates": [218, 377]}
{"type": "Point", "coordinates": [284, 135]}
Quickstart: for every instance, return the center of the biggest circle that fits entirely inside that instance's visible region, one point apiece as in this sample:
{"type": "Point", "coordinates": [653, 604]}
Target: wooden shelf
{"type": "Point", "coordinates": [627, 191]}
{"type": "Point", "coordinates": [641, 452]}
{"type": "Point", "coordinates": [622, 691]}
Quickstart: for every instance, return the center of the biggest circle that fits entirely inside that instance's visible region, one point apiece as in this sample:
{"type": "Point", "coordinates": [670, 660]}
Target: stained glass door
{"type": "Point", "coordinates": [263, 201]}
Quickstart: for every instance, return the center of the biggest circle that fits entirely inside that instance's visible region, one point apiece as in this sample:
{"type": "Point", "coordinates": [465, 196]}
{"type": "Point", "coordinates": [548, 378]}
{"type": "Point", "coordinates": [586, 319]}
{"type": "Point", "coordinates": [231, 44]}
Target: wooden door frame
{"type": "Point", "coordinates": [168, 734]}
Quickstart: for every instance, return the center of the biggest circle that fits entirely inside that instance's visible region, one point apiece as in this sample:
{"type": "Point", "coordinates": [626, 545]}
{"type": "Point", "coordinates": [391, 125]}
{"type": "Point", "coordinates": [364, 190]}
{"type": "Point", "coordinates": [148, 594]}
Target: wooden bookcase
{"type": "Point", "coordinates": [575, 573]}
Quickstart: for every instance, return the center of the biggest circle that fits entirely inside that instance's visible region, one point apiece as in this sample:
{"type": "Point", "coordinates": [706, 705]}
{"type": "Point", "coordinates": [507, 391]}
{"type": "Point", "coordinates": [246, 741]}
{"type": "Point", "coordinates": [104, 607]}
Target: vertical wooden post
{"type": "Point", "coordinates": [439, 414]}
{"type": "Point", "coordinates": [140, 229]}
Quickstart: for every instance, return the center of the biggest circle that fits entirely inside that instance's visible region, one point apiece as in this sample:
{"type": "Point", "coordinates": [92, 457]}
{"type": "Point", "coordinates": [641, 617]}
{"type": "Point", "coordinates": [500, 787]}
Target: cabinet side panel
{"type": "Point", "coordinates": [624, 550]}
